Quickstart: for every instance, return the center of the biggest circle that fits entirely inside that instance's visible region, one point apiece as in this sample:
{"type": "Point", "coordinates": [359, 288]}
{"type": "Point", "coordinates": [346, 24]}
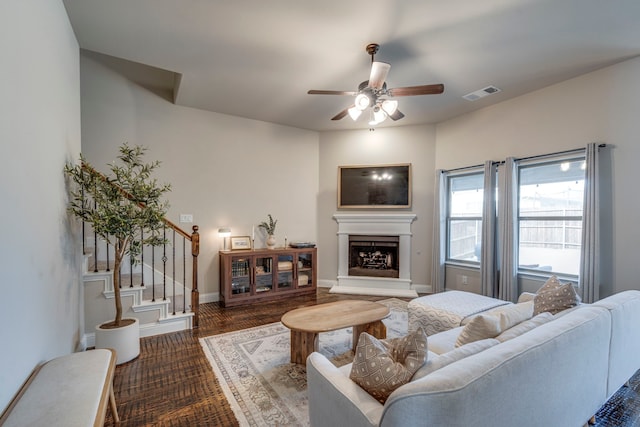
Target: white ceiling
{"type": "Point", "coordinates": [257, 58]}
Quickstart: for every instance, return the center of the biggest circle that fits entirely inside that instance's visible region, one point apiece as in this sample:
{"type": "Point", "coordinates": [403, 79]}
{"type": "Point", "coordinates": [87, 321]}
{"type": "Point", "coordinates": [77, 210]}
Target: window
{"type": "Point", "coordinates": [464, 217]}
{"type": "Point", "coordinates": [550, 215]}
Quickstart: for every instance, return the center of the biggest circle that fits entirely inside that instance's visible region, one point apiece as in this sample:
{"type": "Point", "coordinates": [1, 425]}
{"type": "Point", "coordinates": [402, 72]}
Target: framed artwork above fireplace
{"type": "Point", "coordinates": [375, 186]}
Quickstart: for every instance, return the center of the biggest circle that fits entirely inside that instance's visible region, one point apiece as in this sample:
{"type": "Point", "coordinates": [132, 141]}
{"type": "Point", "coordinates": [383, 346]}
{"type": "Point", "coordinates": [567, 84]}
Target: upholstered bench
{"type": "Point", "coordinates": [447, 310]}
{"type": "Point", "coordinates": [71, 390]}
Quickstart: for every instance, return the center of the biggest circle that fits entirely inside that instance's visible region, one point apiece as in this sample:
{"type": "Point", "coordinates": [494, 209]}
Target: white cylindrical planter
{"type": "Point", "coordinates": [124, 340]}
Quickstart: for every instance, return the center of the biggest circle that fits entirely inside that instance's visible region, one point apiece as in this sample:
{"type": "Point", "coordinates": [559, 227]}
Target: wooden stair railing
{"type": "Point", "coordinates": [193, 238]}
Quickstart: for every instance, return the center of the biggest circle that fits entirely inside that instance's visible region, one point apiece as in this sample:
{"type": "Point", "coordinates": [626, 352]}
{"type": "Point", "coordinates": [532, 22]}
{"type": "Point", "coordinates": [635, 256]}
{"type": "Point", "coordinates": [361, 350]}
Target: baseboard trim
{"type": "Point", "coordinates": [209, 297]}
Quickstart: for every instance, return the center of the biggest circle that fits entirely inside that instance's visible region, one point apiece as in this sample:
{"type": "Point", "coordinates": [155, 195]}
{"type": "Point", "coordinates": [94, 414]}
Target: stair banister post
{"type": "Point", "coordinates": [195, 294]}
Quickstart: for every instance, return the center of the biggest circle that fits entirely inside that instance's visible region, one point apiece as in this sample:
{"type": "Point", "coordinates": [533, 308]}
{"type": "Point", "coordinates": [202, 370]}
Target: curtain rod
{"type": "Point", "coordinates": [468, 167]}
{"type": "Point", "coordinates": [575, 150]}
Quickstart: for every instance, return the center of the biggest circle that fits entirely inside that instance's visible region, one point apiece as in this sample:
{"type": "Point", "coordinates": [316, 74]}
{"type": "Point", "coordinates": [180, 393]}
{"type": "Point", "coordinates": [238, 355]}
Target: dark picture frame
{"type": "Point", "coordinates": [374, 186]}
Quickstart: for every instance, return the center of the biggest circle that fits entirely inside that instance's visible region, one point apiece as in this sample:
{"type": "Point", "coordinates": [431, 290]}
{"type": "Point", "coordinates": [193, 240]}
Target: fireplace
{"type": "Point", "coordinates": [374, 254]}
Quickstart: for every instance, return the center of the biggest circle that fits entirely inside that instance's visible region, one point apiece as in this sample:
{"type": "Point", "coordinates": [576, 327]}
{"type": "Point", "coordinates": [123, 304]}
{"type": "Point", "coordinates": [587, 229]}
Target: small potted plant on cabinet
{"type": "Point", "coordinates": [270, 228]}
{"type": "Point", "coordinates": [126, 210]}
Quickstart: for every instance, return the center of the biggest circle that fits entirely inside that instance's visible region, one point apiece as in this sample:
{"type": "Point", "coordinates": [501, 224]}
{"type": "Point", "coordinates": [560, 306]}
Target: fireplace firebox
{"type": "Point", "coordinates": [374, 256]}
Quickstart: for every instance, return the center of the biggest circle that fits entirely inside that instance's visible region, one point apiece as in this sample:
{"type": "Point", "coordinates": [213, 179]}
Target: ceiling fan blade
{"type": "Point", "coordinates": [379, 71]}
{"type": "Point", "coordinates": [330, 92]}
{"type": "Point", "coordinates": [341, 114]}
{"type": "Point", "coordinates": [416, 90]}
{"type": "Point", "coordinates": [397, 115]}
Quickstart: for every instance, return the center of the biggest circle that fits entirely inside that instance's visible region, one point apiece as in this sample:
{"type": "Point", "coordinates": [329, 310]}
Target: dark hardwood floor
{"type": "Point", "coordinates": [172, 384]}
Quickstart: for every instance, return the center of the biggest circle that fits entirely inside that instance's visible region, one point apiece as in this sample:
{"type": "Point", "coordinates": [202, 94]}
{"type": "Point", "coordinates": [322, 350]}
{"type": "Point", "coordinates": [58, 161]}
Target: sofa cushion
{"type": "Point", "coordinates": [381, 366]}
{"type": "Point", "coordinates": [525, 326]}
{"type": "Point", "coordinates": [492, 324]}
{"type": "Point", "coordinates": [445, 341]}
{"type": "Point", "coordinates": [437, 361]}
{"type": "Point", "coordinates": [555, 297]}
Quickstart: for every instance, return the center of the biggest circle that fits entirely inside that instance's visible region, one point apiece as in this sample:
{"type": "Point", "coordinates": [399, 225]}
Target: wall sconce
{"type": "Point", "coordinates": [224, 232]}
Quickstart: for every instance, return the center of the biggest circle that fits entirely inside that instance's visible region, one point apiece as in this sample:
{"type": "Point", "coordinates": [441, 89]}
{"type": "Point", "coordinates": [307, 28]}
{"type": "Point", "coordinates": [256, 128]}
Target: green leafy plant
{"type": "Point", "coordinates": [270, 226]}
{"type": "Point", "coordinates": [125, 208]}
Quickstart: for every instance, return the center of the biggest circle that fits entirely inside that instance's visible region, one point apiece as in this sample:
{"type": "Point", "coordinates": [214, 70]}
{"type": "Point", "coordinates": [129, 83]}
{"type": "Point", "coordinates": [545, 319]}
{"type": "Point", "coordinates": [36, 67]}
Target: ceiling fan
{"type": "Point", "coordinates": [374, 93]}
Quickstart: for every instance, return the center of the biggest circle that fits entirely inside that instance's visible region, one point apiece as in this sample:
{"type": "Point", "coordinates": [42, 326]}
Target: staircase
{"type": "Point", "coordinates": [153, 291]}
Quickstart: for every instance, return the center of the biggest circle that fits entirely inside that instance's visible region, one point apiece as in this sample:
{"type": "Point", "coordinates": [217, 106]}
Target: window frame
{"type": "Point", "coordinates": [449, 218]}
{"type": "Point", "coordinates": [546, 160]}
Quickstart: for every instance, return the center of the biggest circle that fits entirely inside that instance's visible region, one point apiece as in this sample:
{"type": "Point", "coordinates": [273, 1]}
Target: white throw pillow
{"type": "Point", "coordinates": [493, 323]}
{"type": "Point", "coordinates": [435, 362]}
{"type": "Point", "coordinates": [512, 314]}
{"type": "Point", "coordinates": [480, 327]}
{"type": "Point", "coordinates": [525, 326]}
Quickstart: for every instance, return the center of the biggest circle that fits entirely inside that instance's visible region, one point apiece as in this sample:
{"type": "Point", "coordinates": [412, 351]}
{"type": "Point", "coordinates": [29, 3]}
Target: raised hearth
{"type": "Point", "coordinates": [361, 228]}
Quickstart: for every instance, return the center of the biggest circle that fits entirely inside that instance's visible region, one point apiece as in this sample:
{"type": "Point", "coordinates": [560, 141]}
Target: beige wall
{"type": "Point", "coordinates": [41, 311]}
{"type": "Point", "coordinates": [408, 144]}
{"type": "Point", "coordinates": [601, 106]}
{"type": "Point", "coordinates": [292, 173]}
{"type": "Point", "coordinates": [224, 170]}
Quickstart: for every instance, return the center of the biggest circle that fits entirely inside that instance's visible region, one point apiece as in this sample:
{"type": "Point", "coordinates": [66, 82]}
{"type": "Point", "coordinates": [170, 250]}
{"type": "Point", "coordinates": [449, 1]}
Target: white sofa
{"type": "Point", "coordinates": [558, 374]}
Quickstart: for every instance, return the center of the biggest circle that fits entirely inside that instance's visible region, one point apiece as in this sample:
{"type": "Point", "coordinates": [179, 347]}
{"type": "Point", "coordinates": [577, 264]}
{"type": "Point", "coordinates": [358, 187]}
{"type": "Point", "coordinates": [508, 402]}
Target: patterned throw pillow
{"type": "Point", "coordinates": [381, 366]}
{"type": "Point", "coordinates": [555, 297]}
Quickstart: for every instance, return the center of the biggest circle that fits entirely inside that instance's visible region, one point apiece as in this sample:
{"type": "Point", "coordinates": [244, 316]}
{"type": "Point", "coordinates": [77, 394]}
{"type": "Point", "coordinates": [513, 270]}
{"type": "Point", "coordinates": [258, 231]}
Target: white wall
{"type": "Point", "coordinates": [601, 106]}
{"type": "Point", "coordinates": [40, 313]}
{"type": "Point", "coordinates": [407, 144]}
{"type": "Point", "coordinates": [225, 170]}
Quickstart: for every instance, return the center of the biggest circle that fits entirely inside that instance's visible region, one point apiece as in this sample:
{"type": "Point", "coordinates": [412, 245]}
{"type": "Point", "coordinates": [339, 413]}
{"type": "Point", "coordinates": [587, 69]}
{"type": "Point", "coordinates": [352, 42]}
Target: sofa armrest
{"type": "Point", "coordinates": [335, 400]}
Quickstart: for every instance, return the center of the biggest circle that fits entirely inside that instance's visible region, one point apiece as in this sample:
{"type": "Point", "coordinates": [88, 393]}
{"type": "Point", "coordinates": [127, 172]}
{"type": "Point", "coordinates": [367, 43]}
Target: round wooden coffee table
{"type": "Point", "coordinates": [307, 322]}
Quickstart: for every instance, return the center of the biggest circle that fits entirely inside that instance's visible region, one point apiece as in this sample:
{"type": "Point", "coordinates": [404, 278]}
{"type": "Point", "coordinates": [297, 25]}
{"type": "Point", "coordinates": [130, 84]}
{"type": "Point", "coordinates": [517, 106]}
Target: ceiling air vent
{"type": "Point", "coordinates": [489, 90]}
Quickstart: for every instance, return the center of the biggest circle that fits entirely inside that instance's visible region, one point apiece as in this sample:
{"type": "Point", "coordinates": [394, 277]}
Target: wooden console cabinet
{"type": "Point", "coordinates": [249, 276]}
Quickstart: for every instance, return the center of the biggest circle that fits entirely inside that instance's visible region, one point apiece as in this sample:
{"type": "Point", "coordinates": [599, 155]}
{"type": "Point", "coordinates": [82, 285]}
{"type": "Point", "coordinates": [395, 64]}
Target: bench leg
{"type": "Point", "coordinates": [112, 404]}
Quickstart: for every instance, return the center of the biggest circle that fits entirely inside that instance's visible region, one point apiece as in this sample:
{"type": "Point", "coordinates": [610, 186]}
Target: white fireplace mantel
{"type": "Point", "coordinates": [378, 224]}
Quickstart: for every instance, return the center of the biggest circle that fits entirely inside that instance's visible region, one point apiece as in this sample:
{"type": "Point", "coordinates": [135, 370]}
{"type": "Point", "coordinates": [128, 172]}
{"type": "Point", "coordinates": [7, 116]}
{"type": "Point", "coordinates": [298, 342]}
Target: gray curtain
{"type": "Point", "coordinates": [589, 279]}
{"type": "Point", "coordinates": [507, 224]}
{"type": "Point", "coordinates": [439, 232]}
{"type": "Point", "coordinates": [488, 262]}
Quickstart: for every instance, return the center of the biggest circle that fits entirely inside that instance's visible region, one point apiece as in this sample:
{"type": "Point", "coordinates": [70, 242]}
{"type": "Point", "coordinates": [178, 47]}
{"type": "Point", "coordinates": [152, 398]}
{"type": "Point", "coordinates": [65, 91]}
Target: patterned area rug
{"type": "Point", "coordinates": [261, 385]}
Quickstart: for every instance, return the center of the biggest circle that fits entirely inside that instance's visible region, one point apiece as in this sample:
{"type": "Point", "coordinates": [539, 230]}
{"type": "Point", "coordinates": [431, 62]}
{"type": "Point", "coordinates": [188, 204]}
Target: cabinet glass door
{"type": "Point", "coordinates": [264, 274]}
{"type": "Point", "coordinates": [305, 269]}
{"type": "Point", "coordinates": [240, 276]}
{"type": "Point", "coordinates": [285, 271]}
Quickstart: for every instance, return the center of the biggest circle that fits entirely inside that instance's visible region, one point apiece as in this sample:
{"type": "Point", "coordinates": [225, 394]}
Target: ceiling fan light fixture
{"type": "Point", "coordinates": [389, 106]}
{"type": "Point", "coordinates": [354, 113]}
{"type": "Point", "coordinates": [379, 115]}
{"type": "Point", "coordinates": [362, 101]}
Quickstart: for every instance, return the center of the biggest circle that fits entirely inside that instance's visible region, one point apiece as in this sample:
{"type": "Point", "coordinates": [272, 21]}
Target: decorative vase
{"type": "Point", "coordinates": [125, 340]}
{"type": "Point", "coordinates": [271, 241]}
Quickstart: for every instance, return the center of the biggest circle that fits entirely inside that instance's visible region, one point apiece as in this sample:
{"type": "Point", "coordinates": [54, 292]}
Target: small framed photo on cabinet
{"type": "Point", "coordinates": [240, 242]}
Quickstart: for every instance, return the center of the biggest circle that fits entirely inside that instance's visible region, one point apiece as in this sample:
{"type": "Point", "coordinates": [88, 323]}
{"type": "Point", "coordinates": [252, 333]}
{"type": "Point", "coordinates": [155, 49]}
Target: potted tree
{"type": "Point", "coordinates": [125, 209]}
{"type": "Point", "coordinates": [270, 228]}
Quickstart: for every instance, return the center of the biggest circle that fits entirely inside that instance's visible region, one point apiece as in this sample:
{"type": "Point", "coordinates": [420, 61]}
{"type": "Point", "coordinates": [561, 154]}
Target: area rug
{"type": "Point", "coordinates": [258, 380]}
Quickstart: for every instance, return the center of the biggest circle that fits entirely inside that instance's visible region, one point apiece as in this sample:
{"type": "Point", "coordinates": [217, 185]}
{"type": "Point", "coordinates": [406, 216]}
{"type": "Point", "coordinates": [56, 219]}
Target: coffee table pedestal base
{"type": "Point", "coordinates": [305, 343]}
